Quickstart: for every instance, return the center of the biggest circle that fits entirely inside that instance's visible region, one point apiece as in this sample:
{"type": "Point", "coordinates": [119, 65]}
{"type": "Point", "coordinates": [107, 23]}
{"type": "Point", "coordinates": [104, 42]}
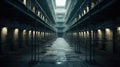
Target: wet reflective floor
{"type": "Point", "coordinates": [59, 54]}
{"type": "Point", "coordinates": [58, 51]}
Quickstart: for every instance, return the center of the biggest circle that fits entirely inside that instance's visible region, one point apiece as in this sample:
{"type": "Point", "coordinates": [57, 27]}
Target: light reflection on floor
{"type": "Point", "coordinates": [57, 52]}
{"type": "Point", "coordinates": [60, 54]}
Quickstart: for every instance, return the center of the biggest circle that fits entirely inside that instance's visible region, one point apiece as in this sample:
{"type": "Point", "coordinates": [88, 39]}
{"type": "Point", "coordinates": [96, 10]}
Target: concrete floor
{"type": "Point", "coordinates": [60, 54]}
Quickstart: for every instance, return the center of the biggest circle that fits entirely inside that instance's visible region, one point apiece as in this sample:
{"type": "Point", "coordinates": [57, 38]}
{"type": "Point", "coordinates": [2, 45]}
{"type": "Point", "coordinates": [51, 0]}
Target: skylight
{"type": "Point", "coordinates": [60, 3]}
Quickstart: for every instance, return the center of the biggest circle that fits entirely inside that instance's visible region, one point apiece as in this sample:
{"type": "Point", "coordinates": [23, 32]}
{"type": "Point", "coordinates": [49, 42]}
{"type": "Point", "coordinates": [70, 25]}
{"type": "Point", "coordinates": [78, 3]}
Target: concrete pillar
{"type": "Point", "coordinates": [109, 40]}
{"type": "Point", "coordinates": [4, 34]}
{"type": "Point", "coordinates": [24, 37]}
{"type": "Point", "coordinates": [94, 43]}
{"type": "Point", "coordinates": [99, 38]}
{"type": "Point", "coordinates": [0, 39]}
{"type": "Point", "coordinates": [103, 45]}
{"type": "Point", "coordinates": [10, 41]}
{"type": "Point", "coordinates": [30, 38]}
{"type": "Point", "coordinates": [32, 46]}
{"type": "Point", "coordinates": [27, 39]}
{"type": "Point", "coordinates": [20, 45]}
{"type": "Point", "coordinates": [90, 45]}
{"type": "Point", "coordinates": [86, 45]}
{"type": "Point", "coordinates": [115, 39]}
{"type": "Point", "coordinates": [15, 37]}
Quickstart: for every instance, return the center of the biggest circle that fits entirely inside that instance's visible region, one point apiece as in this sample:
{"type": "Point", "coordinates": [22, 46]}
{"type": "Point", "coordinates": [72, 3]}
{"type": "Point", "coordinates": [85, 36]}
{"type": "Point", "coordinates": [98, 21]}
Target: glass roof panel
{"type": "Point", "coordinates": [60, 3]}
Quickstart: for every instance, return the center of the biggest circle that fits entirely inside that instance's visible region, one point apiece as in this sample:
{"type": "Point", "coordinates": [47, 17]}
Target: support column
{"type": "Point", "coordinates": [86, 46]}
{"type": "Point", "coordinates": [114, 39]}
{"type": "Point", "coordinates": [90, 46]}
{"type": "Point", "coordinates": [15, 38]}
{"type": "Point", "coordinates": [20, 45]}
{"type": "Point", "coordinates": [0, 39]}
{"type": "Point", "coordinates": [32, 46]}
{"type": "Point", "coordinates": [94, 43]}
{"type": "Point", "coordinates": [10, 43]}
{"type": "Point", "coordinates": [103, 40]}
{"type": "Point", "coordinates": [35, 48]}
{"type": "Point", "coordinates": [4, 38]}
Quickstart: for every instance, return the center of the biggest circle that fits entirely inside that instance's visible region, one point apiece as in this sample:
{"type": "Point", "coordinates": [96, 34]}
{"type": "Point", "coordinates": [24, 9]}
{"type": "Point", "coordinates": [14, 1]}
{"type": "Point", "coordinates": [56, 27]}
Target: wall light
{"type": "Point", "coordinates": [99, 30]}
{"type": "Point", "coordinates": [107, 30]}
{"type": "Point", "coordinates": [87, 32]}
{"type": "Point", "coordinates": [4, 30]}
{"type": "Point", "coordinates": [108, 33]}
{"type": "Point", "coordinates": [24, 2]}
{"type": "Point", "coordinates": [16, 33]}
{"type": "Point", "coordinates": [87, 9]}
{"type": "Point", "coordinates": [33, 33]}
{"type": "Point", "coordinates": [24, 32]}
{"type": "Point", "coordinates": [38, 13]}
{"type": "Point", "coordinates": [79, 16]}
{"type": "Point", "coordinates": [79, 33]}
{"type": "Point", "coordinates": [30, 33]}
{"type": "Point", "coordinates": [33, 9]}
{"type": "Point", "coordinates": [92, 5]}
{"type": "Point", "coordinates": [99, 34]}
{"type": "Point", "coordinates": [4, 33]}
{"type": "Point", "coordinates": [43, 17]}
{"type": "Point", "coordinates": [118, 28]}
{"type": "Point", "coordinates": [84, 11]}
{"type": "Point", "coordinates": [92, 33]}
{"type": "Point", "coordinates": [84, 34]}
